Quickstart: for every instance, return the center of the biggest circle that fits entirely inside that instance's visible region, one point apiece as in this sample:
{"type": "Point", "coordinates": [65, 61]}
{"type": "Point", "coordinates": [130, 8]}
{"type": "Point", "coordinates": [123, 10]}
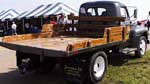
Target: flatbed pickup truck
{"type": "Point", "coordinates": [81, 48]}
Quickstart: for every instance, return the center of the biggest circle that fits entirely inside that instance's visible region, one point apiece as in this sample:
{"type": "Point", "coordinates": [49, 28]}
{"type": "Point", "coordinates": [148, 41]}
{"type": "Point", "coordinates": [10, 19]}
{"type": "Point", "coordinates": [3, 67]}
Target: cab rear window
{"type": "Point", "coordinates": [96, 11]}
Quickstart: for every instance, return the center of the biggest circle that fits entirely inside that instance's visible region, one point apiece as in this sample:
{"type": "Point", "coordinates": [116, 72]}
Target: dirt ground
{"type": "Point", "coordinates": [9, 73]}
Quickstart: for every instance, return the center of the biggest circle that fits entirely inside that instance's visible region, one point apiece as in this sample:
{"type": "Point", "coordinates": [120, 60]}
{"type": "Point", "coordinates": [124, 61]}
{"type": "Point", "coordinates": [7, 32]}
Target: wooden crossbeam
{"type": "Point", "coordinates": [85, 26]}
{"type": "Point", "coordinates": [96, 18]}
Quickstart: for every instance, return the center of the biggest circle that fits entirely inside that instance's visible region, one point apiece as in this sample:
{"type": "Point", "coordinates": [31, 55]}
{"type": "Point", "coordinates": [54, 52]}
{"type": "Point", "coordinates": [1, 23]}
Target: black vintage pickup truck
{"type": "Point", "coordinates": [81, 48]}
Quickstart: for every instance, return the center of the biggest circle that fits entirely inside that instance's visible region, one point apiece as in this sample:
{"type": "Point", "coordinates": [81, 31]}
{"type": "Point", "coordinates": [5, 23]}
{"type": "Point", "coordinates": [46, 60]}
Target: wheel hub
{"type": "Point", "coordinates": [142, 47]}
{"type": "Point", "coordinates": [99, 66]}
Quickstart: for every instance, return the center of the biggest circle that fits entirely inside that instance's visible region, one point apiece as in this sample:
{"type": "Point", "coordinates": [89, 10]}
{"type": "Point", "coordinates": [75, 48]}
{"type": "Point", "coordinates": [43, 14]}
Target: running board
{"type": "Point", "coordinates": [127, 50]}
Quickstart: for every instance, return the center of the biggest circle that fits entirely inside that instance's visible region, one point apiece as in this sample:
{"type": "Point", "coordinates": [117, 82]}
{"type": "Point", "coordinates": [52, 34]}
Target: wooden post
{"type": "Point", "coordinates": [108, 35]}
{"type": "Point", "coordinates": [123, 33]}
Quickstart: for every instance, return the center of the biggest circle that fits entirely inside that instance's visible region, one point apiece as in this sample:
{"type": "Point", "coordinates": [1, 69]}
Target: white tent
{"type": "Point", "coordinates": [31, 12]}
{"type": "Point", "coordinates": [49, 9]}
{"type": "Point", "coordinates": [38, 11]}
{"type": "Point", "coordinates": [2, 12]}
{"type": "Point", "coordinates": [58, 8]}
{"type": "Point", "coordinates": [11, 13]}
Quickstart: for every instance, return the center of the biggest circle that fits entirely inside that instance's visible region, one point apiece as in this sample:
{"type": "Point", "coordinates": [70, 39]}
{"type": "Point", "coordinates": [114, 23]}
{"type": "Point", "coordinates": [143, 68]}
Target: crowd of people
{"type": "Point", "coordinates": [30, 28]}
{"type": "Point", "coordinates": [33, 27]}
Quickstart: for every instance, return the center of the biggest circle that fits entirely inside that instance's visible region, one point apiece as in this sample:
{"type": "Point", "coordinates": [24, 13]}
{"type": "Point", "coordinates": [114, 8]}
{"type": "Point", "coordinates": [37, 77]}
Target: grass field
{"type": "Point", "coordinates": [126, 69]}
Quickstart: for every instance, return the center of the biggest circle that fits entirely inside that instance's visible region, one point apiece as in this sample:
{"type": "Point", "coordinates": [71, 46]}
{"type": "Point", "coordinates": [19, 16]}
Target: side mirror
{"type": "Point", "coordinates": [135, 13]}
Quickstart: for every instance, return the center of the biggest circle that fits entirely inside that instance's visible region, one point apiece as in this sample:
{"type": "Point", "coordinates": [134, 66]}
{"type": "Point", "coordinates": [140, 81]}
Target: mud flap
{"type": "Point", "coordinates": [74, 70]}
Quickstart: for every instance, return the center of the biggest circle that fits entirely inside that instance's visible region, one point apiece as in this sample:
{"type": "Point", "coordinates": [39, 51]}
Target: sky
{"type": "Point", "coordinates": [24, 5]}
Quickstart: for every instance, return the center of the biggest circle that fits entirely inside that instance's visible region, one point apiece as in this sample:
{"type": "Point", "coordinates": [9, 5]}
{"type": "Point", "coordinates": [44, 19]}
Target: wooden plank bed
{"type": "Point", "coordinates": [59, 43]}
{"type": "Point", "coordinates": [55, 40]}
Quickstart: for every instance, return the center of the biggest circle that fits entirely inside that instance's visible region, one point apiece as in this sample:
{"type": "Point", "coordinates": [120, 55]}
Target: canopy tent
{"type": "Point", "coordinates": [2, 12]}
{"type": "Point", "coordinates": [33, 11]}
{"type": "Point", "coordinates": [22, 14]}
{"type": "Point", "coordinates": [42, 10]}
{"type": "Point", "coordinates": [50, 9]}
{"type": "Point", "coordinates": [38, 11]}
{"type": "Point", "coordinates": [11, 13]}
{"type": "Point", "coordinates": [58, 8]}
{"type": "Point", "coordinates": [36, 16]}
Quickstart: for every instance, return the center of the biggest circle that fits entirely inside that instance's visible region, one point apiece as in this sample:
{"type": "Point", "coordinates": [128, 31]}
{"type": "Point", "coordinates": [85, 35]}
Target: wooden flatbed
{"type": "Point", "coordinates": [57, 41]}
{"type": "Point", "coordinates": [59, 46]}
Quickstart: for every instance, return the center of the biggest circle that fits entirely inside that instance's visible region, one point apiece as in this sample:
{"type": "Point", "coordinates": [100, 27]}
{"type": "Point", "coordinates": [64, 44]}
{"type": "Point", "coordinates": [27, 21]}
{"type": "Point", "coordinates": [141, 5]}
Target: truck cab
{"type": "Point", "coordinates": [103, 8]}
{"type": "Point", "coordinates": [117, 9]}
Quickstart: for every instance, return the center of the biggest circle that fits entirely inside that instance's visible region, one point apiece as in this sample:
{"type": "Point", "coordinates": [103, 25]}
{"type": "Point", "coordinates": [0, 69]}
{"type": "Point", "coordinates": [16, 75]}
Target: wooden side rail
{"type": "Point", "coordinates": [51, 27]}
{"type": "Point", "coordinates": [47, 27]}
{"type": "Point", "coordinates": [26, 37]}
{"type": "Point", "coordinates": [96, 42]}
{"type": "Point", "coordinates": [96, 18]}
{"type": "Point", "coordinates": [115, 34]}
{"type": "Point", "coordinates": [86, 26]}
{"type": "Point", "coordinates": [77, 46]}
{"type": "Point", "coordinates": [87, 43]}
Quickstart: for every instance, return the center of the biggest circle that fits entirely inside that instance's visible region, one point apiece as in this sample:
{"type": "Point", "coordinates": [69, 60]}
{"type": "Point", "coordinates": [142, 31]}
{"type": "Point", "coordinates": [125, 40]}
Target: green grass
{"type": "Point", "coordinates": [125, 69]}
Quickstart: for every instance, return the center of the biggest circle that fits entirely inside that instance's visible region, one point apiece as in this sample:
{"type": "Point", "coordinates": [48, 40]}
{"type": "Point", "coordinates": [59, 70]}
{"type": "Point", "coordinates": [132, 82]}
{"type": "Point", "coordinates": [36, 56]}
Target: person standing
{"type": "Point", "coordinates": [14, 27]}
{"type": "Point", "coordinates": [61, 19]}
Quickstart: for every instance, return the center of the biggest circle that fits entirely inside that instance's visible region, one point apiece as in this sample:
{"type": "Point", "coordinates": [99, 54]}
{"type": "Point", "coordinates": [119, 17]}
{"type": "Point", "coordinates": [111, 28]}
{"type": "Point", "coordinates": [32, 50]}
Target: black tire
{"type": "Point", "coordinates": [92, 75]}
{"type": "Point", "coordinates": [140, 52]}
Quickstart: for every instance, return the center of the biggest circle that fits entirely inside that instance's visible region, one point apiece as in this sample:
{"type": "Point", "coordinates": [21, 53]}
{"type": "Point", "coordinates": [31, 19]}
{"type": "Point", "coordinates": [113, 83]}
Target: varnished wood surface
{"type": "Point", "coordinates": [56, 43]}
{"type": "Point", "coordinates": [66, 42]}
{"type": "Point", "coordinates": [95, 42]}
{"type": "Point", "coordinates": [26, 37]}
{"type": "Point", "coordinates": [116, 34]}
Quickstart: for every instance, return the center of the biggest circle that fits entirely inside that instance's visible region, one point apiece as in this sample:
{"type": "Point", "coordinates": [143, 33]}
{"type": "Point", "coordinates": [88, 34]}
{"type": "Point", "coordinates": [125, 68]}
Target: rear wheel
{"type": "Point", "coordinates": [96, 66]}
{"type": "Point", "coordinates": [141, 48]}
{"type": "Point", "coordinates": [88, 68]}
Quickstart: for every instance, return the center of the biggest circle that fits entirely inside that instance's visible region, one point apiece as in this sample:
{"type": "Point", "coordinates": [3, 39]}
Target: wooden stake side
{"type": "Point", "coordinates": [47, 27]}
{"type": "Point", "coordinates": [115, 34]}
{"type": "Point", "coordinates": [115, 38]}
{"type": "Point", "coordinates": [95, 42]}
{"type": "Point", "coordinates": [26, 37]}
{"type": "Point", "coordinates": [96, 18]}
{"type": "Point", "coordinates": [77, 46]}
{"type": "Point", "coordinates": [85, 26]}
{"type": "Point", "coordinates": [51, 27]}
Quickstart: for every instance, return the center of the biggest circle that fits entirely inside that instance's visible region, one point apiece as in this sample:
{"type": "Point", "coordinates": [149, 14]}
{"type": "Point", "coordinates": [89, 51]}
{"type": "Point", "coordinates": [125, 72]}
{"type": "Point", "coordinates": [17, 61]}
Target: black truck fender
{"type": "Point", "coordinates": [135, 34]}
